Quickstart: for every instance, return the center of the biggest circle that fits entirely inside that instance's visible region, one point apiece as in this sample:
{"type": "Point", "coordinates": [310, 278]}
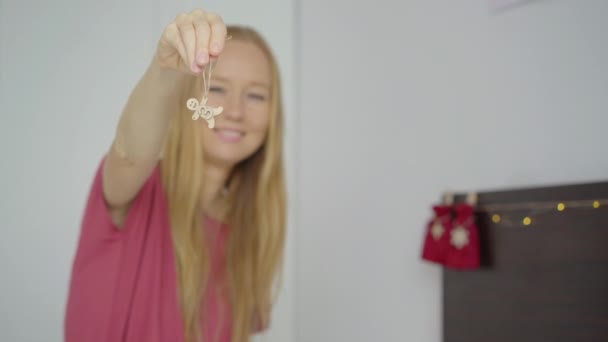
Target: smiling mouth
{"type": "Point", "coordinates": [229, 135]}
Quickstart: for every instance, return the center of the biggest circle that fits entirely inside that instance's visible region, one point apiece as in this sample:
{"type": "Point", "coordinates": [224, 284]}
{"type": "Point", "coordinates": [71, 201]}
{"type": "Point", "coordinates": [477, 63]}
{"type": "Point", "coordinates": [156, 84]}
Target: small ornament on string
{"type": "Point", "coordinates": [200, 108]}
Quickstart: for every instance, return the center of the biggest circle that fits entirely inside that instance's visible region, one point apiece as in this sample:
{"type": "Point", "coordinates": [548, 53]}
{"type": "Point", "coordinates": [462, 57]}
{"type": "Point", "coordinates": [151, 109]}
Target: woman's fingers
{"type": "Point", "coordinates": [173, 37]}
{"type": "Point", "coordinates": [218, 34]}
{"type": "Point", "coordinates": [187, 32]}
{"type": "Point", "coordinates": [192, 40]}
{"type": "Point", "coordinates": [203, 31]}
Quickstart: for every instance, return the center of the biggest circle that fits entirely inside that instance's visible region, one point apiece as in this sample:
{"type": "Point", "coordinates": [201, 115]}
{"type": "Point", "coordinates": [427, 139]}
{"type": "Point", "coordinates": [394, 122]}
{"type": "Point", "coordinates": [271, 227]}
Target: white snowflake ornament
{"type": "Point", "coordinates": [459, 237]}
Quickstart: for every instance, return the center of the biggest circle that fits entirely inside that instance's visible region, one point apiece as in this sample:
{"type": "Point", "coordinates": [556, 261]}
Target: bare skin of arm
{"type": "Point", "coordinates": [185, 47]}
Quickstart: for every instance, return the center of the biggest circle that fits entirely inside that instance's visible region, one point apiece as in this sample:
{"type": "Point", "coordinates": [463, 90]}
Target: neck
{"type": "Point", "coordinates": [214, 180]}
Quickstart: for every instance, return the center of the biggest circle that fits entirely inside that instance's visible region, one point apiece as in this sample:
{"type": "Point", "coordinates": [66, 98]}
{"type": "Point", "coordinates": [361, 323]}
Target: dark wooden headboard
{"type": "Point", "coordinates": [546, 282]}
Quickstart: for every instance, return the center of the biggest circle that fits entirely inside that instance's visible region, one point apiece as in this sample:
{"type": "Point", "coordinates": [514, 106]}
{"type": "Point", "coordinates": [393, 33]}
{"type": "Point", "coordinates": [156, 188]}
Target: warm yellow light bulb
{"type": "Point", "coordinates": [527, 221]}
{"type": "Point", "coordinates": [561, 206]}
{"type": "Point", "coordinates": [596, 204]}
{"type": "Point", "coordinates": [495, 218]}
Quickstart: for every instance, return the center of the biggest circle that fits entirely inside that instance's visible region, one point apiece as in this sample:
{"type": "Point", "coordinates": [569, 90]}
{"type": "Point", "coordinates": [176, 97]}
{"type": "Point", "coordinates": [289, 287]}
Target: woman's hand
{"type": "Point", "coordinates": [188, 43]}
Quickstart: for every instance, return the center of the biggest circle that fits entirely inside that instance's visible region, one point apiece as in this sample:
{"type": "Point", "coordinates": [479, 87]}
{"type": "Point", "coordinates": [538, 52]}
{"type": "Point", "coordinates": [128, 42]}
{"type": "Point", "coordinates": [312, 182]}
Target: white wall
{"type": "Point", "coordinates": [66, 70]}
{"type": "Point", "coordinates": [395, 105]}
{"type": "Point", "coordinates": [401, 100]}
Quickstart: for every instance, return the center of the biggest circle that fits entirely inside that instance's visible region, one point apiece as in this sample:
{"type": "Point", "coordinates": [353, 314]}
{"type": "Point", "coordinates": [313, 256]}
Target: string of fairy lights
{"type": "Point", "coordinates": [501, 213]}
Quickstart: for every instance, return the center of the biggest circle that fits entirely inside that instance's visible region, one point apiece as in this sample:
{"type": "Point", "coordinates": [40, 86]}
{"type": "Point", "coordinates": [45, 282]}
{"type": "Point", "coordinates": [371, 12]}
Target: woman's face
{"type": "Point", "coordinates": [241, 84]}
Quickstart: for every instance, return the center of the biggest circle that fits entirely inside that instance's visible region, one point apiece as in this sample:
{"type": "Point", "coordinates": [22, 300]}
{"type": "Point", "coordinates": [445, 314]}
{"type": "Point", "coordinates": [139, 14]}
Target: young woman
{"type": "Point", "coordinates": [183, 234]}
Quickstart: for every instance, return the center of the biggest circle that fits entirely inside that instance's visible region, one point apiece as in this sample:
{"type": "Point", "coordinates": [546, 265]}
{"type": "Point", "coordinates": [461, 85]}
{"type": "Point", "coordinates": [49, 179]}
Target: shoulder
{"type": "Point", "coordinates": [98, 232]}
{"type": "Point", "coordinates": [97, 212]}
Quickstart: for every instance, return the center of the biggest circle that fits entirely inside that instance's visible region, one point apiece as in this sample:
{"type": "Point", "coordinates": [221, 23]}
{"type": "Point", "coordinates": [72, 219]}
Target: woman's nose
{"type": "Point", "coordinates": [234, 108]}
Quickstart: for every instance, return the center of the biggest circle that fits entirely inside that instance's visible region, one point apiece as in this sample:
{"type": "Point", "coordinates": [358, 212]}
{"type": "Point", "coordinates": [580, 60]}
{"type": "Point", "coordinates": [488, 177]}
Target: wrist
{"type": "Point", "coordinates": [168, 79]}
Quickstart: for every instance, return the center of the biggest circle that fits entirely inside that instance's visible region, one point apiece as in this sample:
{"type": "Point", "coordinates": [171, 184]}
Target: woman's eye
{"type": "Point", "coordinates": [258, 97]}
{"type": "Point", "coordinates": [216, 89]}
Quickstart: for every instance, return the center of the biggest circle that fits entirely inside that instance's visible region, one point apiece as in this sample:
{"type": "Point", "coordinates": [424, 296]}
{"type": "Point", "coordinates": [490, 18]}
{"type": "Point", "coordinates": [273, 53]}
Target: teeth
{"type": "Point", "coordinates": [229, 133]}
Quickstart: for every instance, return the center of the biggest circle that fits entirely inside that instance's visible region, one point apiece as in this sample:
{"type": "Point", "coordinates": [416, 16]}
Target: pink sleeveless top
{"type": "Point", "coordinates": [123, 285]}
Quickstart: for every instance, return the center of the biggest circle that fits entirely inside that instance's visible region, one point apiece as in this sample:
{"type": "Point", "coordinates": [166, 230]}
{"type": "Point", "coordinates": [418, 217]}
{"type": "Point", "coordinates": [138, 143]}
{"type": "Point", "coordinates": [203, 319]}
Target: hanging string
{"type": "Point", "coordinates": [200, 108]}
{"type": "Point", "coordinates": [534, 211]}
{"type": "Point", "coordinates": [207, 80]}
{"type": "Point", "coordinates": [541, 205]}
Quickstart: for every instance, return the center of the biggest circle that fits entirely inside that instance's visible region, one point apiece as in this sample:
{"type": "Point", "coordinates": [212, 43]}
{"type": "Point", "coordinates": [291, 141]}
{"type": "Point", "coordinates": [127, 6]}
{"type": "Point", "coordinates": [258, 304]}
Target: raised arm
{"type": "Point", "coordinates": [185, 47]}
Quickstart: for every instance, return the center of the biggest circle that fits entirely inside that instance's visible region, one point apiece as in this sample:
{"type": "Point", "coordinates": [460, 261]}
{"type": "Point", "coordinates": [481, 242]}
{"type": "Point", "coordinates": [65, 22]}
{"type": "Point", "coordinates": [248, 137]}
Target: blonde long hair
{"type": "Point", "coordinates": [256, 214]}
